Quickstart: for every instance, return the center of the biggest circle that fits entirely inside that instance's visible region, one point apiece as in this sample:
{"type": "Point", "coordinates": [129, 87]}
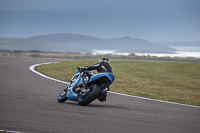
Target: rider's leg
{"type": "Point", "coordinates": [103, 96]}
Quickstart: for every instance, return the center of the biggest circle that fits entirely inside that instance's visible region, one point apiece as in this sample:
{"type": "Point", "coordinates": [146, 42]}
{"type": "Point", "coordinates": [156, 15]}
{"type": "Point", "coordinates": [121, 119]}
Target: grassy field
{"type": "Point", "coordinates": [168, 81]}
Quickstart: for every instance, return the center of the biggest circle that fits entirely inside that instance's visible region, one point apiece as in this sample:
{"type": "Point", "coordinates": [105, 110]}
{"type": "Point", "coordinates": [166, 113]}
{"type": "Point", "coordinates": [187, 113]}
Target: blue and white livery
{"type": "Point", "coordinates": [96, 84]}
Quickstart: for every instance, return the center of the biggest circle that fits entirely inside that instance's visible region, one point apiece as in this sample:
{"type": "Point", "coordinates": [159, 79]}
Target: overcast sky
{"type": "Point", "coordinates": [157, 20]}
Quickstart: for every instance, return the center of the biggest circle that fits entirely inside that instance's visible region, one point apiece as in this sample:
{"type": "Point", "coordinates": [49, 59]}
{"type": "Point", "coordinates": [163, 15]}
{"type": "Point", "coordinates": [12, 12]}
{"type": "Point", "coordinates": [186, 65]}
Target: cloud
{"type": "Point", "coordinates": [152, 20]}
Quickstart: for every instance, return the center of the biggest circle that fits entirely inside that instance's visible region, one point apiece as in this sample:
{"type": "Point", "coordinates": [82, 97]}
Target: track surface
{"type": "Point", "coordinates": [28, 103]}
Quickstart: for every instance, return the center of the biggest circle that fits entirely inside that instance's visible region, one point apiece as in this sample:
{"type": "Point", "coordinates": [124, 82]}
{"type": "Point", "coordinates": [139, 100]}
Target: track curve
{"type": "Point", "coordinates": [28, 104]}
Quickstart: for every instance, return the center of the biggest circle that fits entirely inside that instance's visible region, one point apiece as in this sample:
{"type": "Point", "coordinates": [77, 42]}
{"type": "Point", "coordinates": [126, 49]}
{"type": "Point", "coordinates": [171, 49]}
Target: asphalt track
{"type": "Point", "coordinates": [28, 103]}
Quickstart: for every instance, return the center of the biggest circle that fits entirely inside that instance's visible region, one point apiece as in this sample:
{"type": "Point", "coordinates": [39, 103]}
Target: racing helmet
{"type": "Point", "coordinates": [104, 60]}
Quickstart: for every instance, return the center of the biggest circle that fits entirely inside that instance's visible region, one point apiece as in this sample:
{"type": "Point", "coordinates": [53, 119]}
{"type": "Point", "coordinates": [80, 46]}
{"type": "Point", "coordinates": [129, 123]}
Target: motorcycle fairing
{"type": "Point", "coordinates": [110, 76]}
{"type": "Point", "coordinates": [76, 79]}
{"type": "Point", "coordinates": [103, 80]}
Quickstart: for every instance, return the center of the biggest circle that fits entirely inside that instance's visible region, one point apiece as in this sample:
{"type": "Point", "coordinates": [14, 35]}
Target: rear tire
{"type": "Point", "coordinates": [62, 96]}
{"type": "Point", "coordinates": [90, 96]}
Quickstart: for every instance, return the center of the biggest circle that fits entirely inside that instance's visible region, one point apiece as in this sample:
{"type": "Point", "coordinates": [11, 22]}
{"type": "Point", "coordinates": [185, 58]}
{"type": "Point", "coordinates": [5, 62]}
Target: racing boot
{"type": "Point", "coordinates": [103, 96]}
{"type": "Point", "coordinates": [79, 88]}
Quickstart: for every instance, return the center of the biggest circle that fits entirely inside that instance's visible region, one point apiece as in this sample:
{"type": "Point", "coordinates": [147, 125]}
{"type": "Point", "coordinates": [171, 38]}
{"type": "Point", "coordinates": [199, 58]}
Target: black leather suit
{"type": "Point", "coordinates": [100, 67]}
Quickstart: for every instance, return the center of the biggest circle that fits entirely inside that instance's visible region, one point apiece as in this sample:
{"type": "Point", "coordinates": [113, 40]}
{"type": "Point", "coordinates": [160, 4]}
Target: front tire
{"type": "Point", "coordinates": [62, 96]}
{"type": "Point", "coordinates": [92, 94]}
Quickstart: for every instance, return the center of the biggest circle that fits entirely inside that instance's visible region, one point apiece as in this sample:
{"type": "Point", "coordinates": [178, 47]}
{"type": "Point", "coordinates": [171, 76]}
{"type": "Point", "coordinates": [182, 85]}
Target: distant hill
{"type": "Point", "coordinates": [181, 43]}
{"type": "Point", "coordinates": [81, 43]}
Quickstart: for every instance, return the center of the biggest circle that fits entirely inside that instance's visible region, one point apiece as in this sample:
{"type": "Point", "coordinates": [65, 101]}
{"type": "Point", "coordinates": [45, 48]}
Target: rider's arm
{"type": "Point", "coordinates": [91, 67]}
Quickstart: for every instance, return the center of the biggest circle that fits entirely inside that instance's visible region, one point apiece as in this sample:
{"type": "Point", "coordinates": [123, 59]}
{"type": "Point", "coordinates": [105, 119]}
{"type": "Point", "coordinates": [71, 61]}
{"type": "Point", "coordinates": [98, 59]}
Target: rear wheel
{"type": "Point", "coordinates": [62, 96]}
{"type": "Point", "coordinates": [89, 95]}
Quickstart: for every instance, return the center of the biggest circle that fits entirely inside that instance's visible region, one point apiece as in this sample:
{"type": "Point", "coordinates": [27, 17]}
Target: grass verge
{"type": "Point", "coordinates": [168, 81]}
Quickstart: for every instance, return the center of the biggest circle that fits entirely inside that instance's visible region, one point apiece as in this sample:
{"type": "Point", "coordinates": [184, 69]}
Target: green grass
{"type": "Point", "coordinates": [168, 81]}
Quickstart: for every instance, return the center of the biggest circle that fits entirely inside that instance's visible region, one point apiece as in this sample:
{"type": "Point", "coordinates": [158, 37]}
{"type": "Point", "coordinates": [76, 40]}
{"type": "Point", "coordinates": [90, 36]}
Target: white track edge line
{"type": "Point", "coordinates": [7, 131]}
{"type": "Point", "coordinates": [32, 68]}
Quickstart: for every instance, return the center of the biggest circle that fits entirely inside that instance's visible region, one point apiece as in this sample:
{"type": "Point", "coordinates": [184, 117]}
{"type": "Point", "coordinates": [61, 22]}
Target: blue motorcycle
{"type": "Point", "coordinates": [95, 86]}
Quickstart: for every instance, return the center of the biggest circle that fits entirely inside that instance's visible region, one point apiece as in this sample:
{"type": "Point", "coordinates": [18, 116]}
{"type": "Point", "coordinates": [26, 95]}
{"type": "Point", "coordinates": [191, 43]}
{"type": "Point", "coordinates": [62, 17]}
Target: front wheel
{"type": "Point", "coordinates": [91, 94]}
{"type": "Point", "coordinates": [62, 96]}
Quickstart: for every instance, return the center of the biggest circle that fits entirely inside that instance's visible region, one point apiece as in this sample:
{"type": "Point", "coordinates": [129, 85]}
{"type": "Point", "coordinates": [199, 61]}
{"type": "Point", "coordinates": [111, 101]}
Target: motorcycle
{"type": "Point", "coordinates": [96, 86]}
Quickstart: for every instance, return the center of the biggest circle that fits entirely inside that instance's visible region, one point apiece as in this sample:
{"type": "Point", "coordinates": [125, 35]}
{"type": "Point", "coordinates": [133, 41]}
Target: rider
{"type": "Point", "coordinates": [102, 66]}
